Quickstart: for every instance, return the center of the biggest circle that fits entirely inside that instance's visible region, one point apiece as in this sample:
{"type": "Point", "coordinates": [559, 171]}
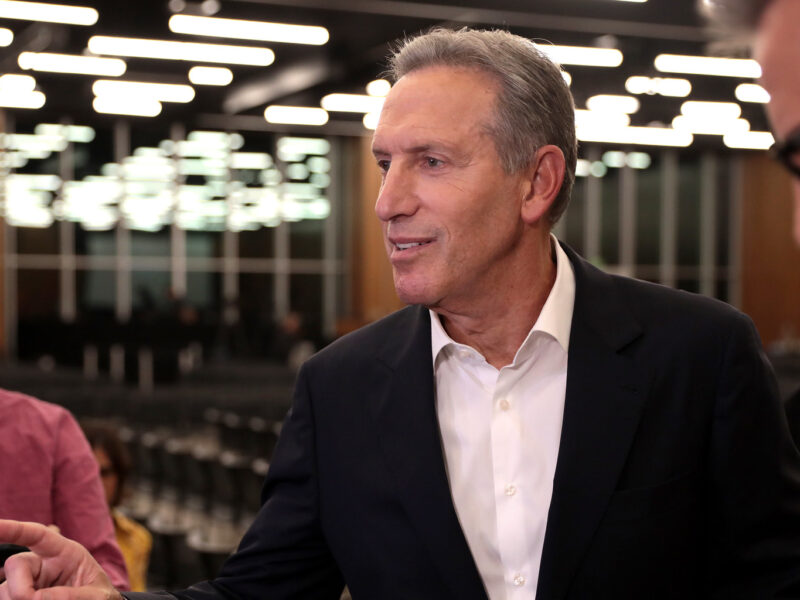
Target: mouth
{"type": "Point", "coordinates": [402, 246]}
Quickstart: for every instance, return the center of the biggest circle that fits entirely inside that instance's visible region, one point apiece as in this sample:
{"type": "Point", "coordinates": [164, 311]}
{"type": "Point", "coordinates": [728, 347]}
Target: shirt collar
{"type": "Point", "coordinates": [555, 319]}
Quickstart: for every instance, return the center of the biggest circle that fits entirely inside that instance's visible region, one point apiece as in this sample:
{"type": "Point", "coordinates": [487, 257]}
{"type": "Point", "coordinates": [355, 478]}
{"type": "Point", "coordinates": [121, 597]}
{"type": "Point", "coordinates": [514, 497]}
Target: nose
{"type": "Point", "coordinates": [397, 196]}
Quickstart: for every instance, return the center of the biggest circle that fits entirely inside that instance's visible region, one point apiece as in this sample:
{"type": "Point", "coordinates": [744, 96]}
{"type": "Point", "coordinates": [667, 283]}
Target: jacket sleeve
{"type": "Point", "coordinates": [754, 478]}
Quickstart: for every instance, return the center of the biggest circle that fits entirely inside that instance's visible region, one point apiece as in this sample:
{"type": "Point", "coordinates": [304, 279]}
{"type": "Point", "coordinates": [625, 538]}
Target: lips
{"type": "Point", "coordinates": [407, 245]}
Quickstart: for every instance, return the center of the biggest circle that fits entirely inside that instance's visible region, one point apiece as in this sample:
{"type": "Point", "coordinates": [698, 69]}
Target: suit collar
{"type": "Point", "coordinates": [408, 430]}
{"type": "Point", "coordinates": [604, 399]}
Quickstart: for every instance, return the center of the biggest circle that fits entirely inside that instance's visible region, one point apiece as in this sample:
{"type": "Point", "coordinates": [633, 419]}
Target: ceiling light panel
{"type": "Point", "coordinates": [613, 104]}
{"type": "Point", "coordinates": [752, 92]}
{"type": "Point", "coordinates": [210, 75]}
{"type": "Point", "coordinates": [249, 30]}
{"type": "Point", "coordinates": [70, 63]}
{"type": "Point", "coordinates": [663, 86]}
{"type": "Point", "coordinates": [164, 92]}
{"type": "Point", "coordinates": [6, 36]}
{"type": "Point", "coordinates": [188, 51]}
{"type": "Point", "coordinates": [582, 55]}
{"type": "Point", "coordinates": [352, 103]}
{"type": "Point", "coordinates": [706, 65]}
{"type": "Point", "coordinates": [295, 115]}
{"type": "Point", "coordinates": [138, 107]}
{"type": "Point", "coordinates": [49, 13]}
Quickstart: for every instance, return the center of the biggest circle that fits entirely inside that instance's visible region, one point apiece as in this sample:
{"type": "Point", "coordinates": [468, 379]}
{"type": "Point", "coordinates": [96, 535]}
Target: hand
{"type": "Point", "coordinates": [55, 569]}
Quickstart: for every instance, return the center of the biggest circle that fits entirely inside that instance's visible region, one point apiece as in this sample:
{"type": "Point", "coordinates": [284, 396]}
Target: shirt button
{"type": "Point", "coordinates": [504, 404]}
{"type": "Point", "coordinates": [519, 580]}
{"type": "Point", "coordinates": [511, 490]}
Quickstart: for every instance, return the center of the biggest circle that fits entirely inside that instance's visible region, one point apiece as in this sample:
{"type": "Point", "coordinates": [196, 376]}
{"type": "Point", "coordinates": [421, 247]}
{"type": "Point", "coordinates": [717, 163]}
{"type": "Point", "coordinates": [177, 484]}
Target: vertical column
{"type": "Point", "coordinates": [177, 236]}
{"type": "Point", "coordinates": [735, 234]}
{"type": "Point", "coordinates": [627, 221]}
{"type": "Point", "coordinates": [330, 244]}
{"type": "Point", "coordinates": [124, 297]}
{"type": "Point", "coordinates": [67, 293]}
{"type": "Point", "coordinates": [281, 291]}
{"type": "Point", "coordinates": [3, 299]}
{"type": "Point", "coordinates": [593, 213]}
{"type": "Point", "coordinates": [708, 224]}
{"type": "Point", "coordinates": [668, 249]}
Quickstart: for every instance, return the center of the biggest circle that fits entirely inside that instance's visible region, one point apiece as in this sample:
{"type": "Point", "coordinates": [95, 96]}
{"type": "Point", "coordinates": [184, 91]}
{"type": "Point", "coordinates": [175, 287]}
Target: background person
{"type": "Point", "coordinates": [114, 466]}
{"type": "Point", "coordinates": [48, 474]}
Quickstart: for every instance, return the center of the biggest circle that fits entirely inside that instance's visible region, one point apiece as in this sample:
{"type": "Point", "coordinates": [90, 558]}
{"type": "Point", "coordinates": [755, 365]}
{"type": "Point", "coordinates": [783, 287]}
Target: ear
{"type": "Point", "coordinates": [545, 177]}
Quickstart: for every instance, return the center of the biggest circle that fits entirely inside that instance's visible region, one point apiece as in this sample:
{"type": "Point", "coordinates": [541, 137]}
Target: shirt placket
{"type": "Point", "coordinates": [510, 489]}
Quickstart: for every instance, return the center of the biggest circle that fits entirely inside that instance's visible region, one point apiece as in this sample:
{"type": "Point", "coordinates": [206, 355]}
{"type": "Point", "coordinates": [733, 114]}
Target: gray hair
{"type": "Point", "coordinates": [733, 19]}
{"type": "Point", "coordinates": [534, 105]}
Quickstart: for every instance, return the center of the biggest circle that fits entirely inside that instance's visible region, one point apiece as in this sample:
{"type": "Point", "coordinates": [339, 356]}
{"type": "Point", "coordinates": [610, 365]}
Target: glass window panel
{"type": "Point", "coordinates": [151, 290]}
{"type": "Point", "coordinates": [144, 243]}
{"type": "Point", "coordinates": [305, 238]}
{"type": "Point", "coordinates": [257, 244]}
{"type": "Point", "coordinates": [37, 312]}
{"type": "Point", "coordinates": [34, 240]}
{"type": "Point", "coordinates": [256, 306]}
{"type": "Point", "coordinates": [610, 220]}
{"type": "Point", "coordinates": [96, 290]}
{"type": "Point", "coordinates": [689, 211]}
{"type": "Point", "coordinates": [203, 289]}
{"type": "Point", "coordinates": [575, 215]}
{"type": "Point", "coordinates": [204, 244]}
{"type": "Point", "coordinates": [648, 212]}
{"type": "Point", "coordinates": [305, 296]}
{"type": "Point", "coordinates": [95, 243]}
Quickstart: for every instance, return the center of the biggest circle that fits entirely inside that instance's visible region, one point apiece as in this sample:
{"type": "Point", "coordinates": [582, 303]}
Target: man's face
{"type": "Point", "coordinates": [450, 214]}
{"type": "Point", "coordinates": [778, 52]}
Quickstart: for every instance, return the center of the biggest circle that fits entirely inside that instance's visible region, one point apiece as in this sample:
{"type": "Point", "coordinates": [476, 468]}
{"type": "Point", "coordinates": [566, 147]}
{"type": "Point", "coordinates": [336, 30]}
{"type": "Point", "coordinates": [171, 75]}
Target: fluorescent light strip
{"type": "Point", "coordinates": [70, 63]}
{"type": "Point", "coordinates": [663, 86]}
{"type": "Point", "coordinates": [378, 88]}
{"type": "Point", "coordinates": [370, 120]}
{"type": "Point", "coordinates": [249, 30]}
{"type": "Point", "coordinates": [650, 136]}
{"type": "Point", "coordinates": [750, 140]}
{"type": "Point", "coordinates": [591, 119]}
{"type": "Point", "coordinates": [295, 115]}
{"type": "Point", "coordinates": [6, 36]}
{"type": "Point", "coordinates": [581, 55]}
{"type": "Point", "coordinates": [21, 99]}
{"type": "Point", "coordinates": [48, 13]}
{"type": "Point", "coordinates": [717, 111]}
{"type": "Point", "coordinates": [710, 126]}
{"type": "Point", "coordinates": [210, 75]}
{"type": "Point", "coordinates": [613, 104]}
{"type": "Point", "coordinates": [707, 65]}
{"type": "Point", "coordinates": [352, 103]}
{"type": "Point", "coordinates": [138, 107]}
{"type": "Point", "coordinates": [188, 51]}
{"type": "Point", "coordinates": [752, 92]}
{"type": "Point", "coordinates": [11, 82]}
{"type": "Point", "coordinates": [164, 92]}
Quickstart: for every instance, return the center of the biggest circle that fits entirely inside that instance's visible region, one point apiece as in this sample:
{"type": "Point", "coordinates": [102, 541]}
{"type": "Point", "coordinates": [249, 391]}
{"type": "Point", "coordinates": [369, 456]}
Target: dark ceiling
{"type": "Point", "coordinates": [360, 33]}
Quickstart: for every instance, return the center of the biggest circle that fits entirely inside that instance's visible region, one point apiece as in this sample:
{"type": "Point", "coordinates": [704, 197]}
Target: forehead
{"type": "Point", "coordinates": [437, 102]}
{"type": "Point", "coordinates": [778, 51]}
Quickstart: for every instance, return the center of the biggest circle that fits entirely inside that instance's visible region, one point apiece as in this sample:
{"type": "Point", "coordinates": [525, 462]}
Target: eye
{"type": "Point", "coordinates": [383, 165]}
{"type": "Point", "coordinates": [433, 162]}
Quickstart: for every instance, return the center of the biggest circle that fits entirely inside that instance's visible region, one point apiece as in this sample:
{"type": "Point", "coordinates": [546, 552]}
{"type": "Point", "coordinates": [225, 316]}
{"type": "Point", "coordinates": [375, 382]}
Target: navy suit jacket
{"type": "Point", "coordinates": [676, 476]}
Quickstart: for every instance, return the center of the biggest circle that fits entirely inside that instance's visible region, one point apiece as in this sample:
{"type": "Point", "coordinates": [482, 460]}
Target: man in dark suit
{"type": "Point", "coordinates": [530, 426]}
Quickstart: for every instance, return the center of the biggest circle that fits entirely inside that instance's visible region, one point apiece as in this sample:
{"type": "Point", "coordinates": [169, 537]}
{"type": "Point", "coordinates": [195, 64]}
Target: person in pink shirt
{"type": "Point", "coordinates": [48, 474]}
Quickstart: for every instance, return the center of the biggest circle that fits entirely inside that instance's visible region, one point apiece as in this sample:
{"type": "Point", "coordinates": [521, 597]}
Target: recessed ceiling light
{"type": "Point", "coordinates": [70, 63]}
{"type": "Point", "coordinates": [188, 51]}
{"type": "Point", "coordinates": [48, 13]}
{"type": "Point", "coordinates": [708, 65]}
{"type": "Point", "coordinates": [249, 30]}
{"type": "Point", "coordinates": [295, 115]}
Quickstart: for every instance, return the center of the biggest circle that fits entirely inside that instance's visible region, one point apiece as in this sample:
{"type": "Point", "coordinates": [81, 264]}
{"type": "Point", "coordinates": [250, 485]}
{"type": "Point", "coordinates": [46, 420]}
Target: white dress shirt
{"type": "Point", "coordinates": [500, 434]}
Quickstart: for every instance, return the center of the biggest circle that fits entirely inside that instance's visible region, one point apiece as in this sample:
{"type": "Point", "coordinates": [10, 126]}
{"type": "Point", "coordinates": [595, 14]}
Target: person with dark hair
{"type": "Point", "coordinates": [114, 465]}
{"type": "Point", "coordinates": [530, 427]}
{"type": "Point", "coordinates": [48, 475]}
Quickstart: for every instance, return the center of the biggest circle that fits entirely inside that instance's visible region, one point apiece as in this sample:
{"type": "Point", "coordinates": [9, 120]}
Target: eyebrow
{"type": "Point", "coordinates": [377, 150]}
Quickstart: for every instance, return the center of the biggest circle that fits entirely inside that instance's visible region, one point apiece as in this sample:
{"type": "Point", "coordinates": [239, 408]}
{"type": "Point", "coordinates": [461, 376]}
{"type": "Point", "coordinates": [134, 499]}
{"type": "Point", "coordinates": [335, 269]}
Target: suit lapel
{"type": "Point", "coordinates": [604, 399]}
{"type": "Point", "coordinates": [408, 431]}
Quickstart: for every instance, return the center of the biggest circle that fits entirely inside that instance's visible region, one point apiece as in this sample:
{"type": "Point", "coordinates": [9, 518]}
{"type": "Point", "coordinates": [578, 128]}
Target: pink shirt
{"type": "Point", "coordinates": [48, 474]}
